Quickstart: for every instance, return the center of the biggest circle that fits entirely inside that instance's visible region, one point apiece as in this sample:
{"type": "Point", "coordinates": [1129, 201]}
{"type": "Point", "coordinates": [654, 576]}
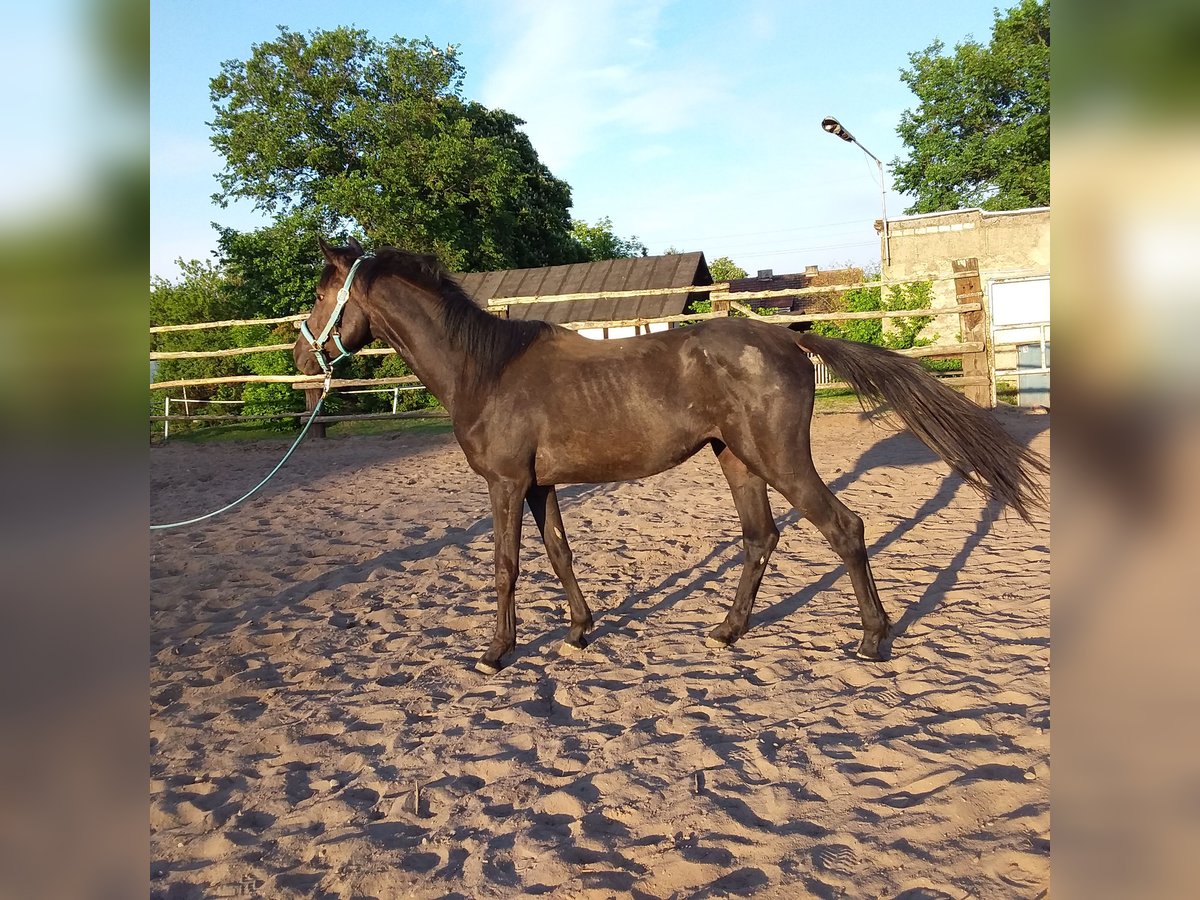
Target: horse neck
{"type": "Point", "coordinates": [408, 318]}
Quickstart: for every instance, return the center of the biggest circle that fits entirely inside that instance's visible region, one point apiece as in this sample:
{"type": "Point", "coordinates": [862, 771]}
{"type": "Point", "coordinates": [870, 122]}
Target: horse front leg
{"type": "Point", "coordinates": [506, 499]}
{"type": "Point", "coordinates": [543, 503]}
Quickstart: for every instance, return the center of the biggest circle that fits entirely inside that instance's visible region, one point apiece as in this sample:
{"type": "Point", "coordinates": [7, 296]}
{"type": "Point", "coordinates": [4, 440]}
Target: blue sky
{"type": "Point", "coordinates": [693, 125]}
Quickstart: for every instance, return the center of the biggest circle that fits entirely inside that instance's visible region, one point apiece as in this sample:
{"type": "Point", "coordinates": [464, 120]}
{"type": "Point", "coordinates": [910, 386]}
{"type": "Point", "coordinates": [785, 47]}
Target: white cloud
{"type": "Point", "coordinates": [583, 74]}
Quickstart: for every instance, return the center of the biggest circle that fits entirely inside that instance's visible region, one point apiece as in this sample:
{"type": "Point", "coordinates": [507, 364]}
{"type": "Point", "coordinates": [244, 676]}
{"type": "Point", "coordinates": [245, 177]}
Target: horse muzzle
{"type": "Point", "coordinates": [305, 359]}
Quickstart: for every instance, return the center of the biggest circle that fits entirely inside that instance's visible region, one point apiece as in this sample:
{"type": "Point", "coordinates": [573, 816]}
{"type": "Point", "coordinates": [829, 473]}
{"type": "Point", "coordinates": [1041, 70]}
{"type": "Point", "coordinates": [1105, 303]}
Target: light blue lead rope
{"type": "Point", "coordinates": [254, 489]}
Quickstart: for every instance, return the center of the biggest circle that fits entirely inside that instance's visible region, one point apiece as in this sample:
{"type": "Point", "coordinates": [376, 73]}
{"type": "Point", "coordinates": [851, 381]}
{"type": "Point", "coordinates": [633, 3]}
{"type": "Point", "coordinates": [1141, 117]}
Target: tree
{"type": "Point", "coordinates": [345, 129]}
{"type": "Point", "coordinates": [598, 241]}
{"type": "Point", "coordinates": [980, 135]}
{"type": "Point", "coordinates": [201, 295]}
{"type": "Point", "coordinates": [725, 269]}
{"type": "Point", "coordinates": [274, 270]}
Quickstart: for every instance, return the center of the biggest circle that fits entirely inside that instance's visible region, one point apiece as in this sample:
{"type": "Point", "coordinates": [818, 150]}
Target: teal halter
{"type": "Point", "coordinates": [317, 344]}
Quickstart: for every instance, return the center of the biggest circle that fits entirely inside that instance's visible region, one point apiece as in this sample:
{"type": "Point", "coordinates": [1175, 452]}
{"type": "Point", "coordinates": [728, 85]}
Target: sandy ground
{"type": "Point", "coordinates": [317, 728]}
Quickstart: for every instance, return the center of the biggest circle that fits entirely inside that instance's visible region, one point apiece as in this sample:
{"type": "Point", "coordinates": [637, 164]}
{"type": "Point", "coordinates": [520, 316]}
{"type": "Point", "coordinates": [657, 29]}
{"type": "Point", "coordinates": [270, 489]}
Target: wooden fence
{"type": "Point", "coordinates": [977, 380]}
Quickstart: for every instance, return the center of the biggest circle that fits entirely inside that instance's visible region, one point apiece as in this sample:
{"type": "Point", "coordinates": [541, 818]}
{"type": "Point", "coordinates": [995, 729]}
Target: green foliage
{"type": "Point", "coordinates": [396, 367]}
{"type": "Point", "coordinates": [269, 399]}
{"type": "Point", "coordinates": [597, 242]}
{"type": "Point", "coordinates": [205, 294]}
{"type": "Point", "coordinates": [980, 135]}
{"type": "Point", "coordinates": [903, 332]}
{"type": "Point", "coordinates": [274, 270]}
{"type": "Point", "coordinates": [706, 306]}
{"type": "Point", "coordinates": [943, 365]}
{"type": "Point", "coordinates": [725, 269]}
{"type": "Point", "coordinates": [722, 269]}
{"type": "Point", "coordinates": [202, 295]}
{"type": "Point", "coordinates": [340, 127]}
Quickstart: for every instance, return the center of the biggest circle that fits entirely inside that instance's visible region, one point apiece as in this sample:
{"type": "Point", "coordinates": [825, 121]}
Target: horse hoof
{"type": "Point", "coordinates": [486, 668]}
{"type": "Point", "coordinates": [869, 656]}
{"type": "Point", "coordinates": [716, 644]}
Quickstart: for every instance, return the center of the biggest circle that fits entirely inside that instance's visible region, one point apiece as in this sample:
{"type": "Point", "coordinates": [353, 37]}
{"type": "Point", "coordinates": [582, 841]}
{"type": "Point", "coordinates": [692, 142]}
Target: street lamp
{"type": "Point", "coordinates": [836, 128]}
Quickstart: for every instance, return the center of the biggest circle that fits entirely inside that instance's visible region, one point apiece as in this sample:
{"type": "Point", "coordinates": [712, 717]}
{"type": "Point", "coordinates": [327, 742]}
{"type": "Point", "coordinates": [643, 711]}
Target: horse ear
{"type": "Point", "coordinates": [356, 246]}
{"type": "Point", "coordinates": [330, 253]}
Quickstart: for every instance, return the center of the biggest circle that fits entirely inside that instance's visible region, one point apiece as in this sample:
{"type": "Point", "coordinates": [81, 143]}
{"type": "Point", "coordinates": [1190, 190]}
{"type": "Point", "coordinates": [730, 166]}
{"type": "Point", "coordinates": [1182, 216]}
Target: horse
{"type": "Point", "coordinates": [535, 405]}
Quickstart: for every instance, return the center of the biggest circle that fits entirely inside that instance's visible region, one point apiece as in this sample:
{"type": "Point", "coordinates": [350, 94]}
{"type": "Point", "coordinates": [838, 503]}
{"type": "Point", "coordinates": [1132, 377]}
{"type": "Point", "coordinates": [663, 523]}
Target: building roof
{"type": "Point", "coordinates": [809, 278]}
{"type": "Point", "coordinates": [672, 270]}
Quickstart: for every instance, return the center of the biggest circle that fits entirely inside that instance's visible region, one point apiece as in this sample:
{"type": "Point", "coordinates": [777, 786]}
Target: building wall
{"type": "Point", "coordinates": [1007, 244]}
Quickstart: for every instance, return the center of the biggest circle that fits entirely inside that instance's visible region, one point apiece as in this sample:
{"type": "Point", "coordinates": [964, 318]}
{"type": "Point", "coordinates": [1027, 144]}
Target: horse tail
{"type": "Point", "coordinates": [966, 437]}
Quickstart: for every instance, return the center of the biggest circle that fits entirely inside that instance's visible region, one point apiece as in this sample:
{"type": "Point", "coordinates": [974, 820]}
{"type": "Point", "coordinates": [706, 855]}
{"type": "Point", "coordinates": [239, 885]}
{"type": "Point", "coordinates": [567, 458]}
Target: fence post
{"type": "Point", "coordinates": [312, 396]}
{"type": "Point", "coordinates": [968, 288]}
{"type": "Point", "coordinates": [166, 417]}
{"type": "Point", "coordinates": [720, 302]}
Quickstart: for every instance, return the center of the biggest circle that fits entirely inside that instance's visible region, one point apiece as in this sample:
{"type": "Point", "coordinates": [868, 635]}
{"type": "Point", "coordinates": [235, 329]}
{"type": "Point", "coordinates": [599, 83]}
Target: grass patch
{"type": "Point", "coordinates": [388, 426]}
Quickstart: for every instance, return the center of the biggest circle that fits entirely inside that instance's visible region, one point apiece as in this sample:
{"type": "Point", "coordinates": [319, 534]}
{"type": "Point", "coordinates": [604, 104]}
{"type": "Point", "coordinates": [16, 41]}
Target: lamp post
{"type": "Point", "coordinates": [834, 127]}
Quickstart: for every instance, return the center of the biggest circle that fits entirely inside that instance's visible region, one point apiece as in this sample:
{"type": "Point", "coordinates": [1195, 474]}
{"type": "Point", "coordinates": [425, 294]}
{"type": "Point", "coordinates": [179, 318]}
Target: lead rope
{"type": "Point", "coordinates": [270, 475]}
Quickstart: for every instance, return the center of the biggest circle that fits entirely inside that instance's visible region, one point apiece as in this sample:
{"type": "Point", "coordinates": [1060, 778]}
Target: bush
{"type": "Point", "coordinates": [396, 367]}
{"type": "Point", "coordinates": [903, 332]}
{"type": "Point", "coordinates": [270, 400]}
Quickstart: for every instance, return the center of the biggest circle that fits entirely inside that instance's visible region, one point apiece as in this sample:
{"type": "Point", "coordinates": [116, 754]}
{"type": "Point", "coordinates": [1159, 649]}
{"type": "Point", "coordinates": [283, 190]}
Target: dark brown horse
{"type": "Point", "coordinates": [535, 405]}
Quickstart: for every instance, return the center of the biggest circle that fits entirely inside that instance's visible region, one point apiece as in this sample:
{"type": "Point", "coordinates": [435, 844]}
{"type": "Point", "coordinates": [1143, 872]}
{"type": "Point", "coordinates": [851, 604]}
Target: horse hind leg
{"type": "Point", "coordinates": [543, 503]}
{"type": "Point", "coordinates": [843, 529]}
{"type": "Point", "coordinates": [759, 537]}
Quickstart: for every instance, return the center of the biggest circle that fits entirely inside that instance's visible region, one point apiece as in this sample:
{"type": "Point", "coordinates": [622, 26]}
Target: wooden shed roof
{"type": "Point", "coordinates": [673, 270]}
{"type": "Point", "coordinates": [810, 278]}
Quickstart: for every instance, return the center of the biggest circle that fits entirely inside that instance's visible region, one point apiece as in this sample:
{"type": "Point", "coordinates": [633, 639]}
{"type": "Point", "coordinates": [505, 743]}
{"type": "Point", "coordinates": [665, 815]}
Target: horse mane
{"type": "Point", "coordinates": [489, 342]}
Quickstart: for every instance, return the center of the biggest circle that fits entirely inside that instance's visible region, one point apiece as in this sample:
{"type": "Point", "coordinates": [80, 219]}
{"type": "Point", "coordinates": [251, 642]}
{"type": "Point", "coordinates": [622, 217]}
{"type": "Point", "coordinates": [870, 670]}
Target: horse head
{"type": "Point", "coordinates": [337, 326]}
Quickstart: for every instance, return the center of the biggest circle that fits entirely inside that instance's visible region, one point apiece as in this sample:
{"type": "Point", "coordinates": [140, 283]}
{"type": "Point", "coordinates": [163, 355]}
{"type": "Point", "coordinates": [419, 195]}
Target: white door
{"type": "Point", "coordinates": [1021, 336]}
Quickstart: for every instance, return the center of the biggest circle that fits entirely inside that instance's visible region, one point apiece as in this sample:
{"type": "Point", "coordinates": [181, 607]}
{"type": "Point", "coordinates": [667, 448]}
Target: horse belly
{"type": "Point", "coordinates": [629, 415]}
{"type": "Point", "coordinates": [596, 456]}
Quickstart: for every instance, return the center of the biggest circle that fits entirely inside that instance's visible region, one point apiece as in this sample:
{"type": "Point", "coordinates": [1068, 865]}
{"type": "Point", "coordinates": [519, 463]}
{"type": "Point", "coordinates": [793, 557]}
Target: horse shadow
{"type": "Point", "coordinates": [902, 449]}
{"type": "Point", "coordinates": [898, 449]}
{"type": "Point", "coordinates": [395, 558]}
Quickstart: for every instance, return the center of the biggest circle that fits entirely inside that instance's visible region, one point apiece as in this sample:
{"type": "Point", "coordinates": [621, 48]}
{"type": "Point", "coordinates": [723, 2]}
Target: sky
{"type": "Point", "coordinates": [692, 125]}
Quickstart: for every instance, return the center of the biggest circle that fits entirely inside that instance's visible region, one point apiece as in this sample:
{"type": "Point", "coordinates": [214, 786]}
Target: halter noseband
{"type": "Point", "coordinates": [317, 344]}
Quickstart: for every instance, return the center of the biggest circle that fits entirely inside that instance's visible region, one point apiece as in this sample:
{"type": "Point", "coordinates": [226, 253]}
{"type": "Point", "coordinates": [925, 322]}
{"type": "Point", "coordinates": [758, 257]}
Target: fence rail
{"type": "Point", "coordinates": [978, 382]}
{"type": "Point", "coordinates": [720, 287]}
{"type": "Point", "coordinates": [228, 323]}
{"type": "Point", "coordinates": [296, 381]}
